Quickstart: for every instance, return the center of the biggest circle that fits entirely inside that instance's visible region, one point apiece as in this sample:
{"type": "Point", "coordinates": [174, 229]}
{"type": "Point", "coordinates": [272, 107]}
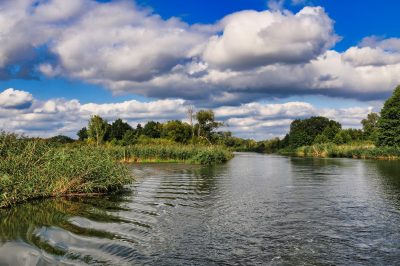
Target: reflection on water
{"type": "Point", "coordinates": [256, 209]}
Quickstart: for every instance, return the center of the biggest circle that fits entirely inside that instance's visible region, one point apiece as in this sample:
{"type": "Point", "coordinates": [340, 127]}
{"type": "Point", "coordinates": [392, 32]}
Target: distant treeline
{"type": "Point", "coordinates": [378, 130]}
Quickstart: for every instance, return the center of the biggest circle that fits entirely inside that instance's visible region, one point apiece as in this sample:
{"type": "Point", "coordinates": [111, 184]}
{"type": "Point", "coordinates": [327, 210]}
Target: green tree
{"type": "Point", "coordinates": [177, 131]}
{"type": "Point", "coordinates": [139, 130]}
{"type": "Point", "coordinates": [152, 130]}
{"type": "Point", "coordinates": [370, 126]}
{"type": "Point", "coordinates": [321, 138]}
{"type": "Point", "coordinates": [129, 138]}
{"type": "Point", "coordinates": [304, 132]}
{"type": "Point", "coordinates": [118, 129]}
{"type": "Point", "coordinates": [389, 121]}
{"type": "Point", "coordinates": [206, 123]}
{"type": "Point", "coordinates": [342, 137]}
{"type": "Point", "coordinates": [97, 129]}
{"type": "Point", "coordinates": [82, 134]}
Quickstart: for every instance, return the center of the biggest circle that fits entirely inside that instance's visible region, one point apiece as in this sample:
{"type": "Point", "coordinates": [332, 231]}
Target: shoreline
{"type": "Point", "coordinates": [359, 152]}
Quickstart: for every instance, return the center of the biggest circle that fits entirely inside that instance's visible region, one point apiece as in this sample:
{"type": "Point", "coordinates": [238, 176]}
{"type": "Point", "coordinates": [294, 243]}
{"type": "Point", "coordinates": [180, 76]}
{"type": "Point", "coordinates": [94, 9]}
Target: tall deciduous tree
{"type": "Point", "coordinates": [97, 129]}
{"type": "Point", "coordinates": [177, 131]}
{"type": "Point", "coordinates": [304, 132]}
{"type": "Point", "coordinates": [389, 122]}
{"type": "Point", "coordinates": [206, 123]}
{"type": "Point", "coordinates": [370, 126]}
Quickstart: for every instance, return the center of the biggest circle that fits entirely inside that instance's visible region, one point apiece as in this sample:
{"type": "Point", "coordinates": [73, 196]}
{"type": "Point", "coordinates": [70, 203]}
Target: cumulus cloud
{"type": "Point", "coordinates": [245, 57]}
{"type": "Point", "coordinates": [116, 42]}
{"type": "Point", "coordinates": [15, 99]}
{"type": "Point", "coordinates": [252, 38]}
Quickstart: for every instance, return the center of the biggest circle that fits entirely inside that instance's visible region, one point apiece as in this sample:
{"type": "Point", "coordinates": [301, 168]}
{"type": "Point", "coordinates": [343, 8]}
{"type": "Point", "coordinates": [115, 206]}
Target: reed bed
{"type": "Point", "coordinates": [206, 155]}
{"type": "Point", "coordinates": [357, 151]}
{"type": "Point", "coordinates": [35, 169]}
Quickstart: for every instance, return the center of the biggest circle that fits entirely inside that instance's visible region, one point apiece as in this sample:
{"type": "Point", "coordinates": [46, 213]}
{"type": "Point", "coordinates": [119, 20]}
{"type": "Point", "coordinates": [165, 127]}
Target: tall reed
{"type": "Point", "coordinates": [35, 169]}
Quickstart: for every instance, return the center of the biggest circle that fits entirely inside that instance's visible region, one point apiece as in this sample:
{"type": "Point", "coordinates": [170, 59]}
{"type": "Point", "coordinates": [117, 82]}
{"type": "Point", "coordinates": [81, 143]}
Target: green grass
{"type": "Point", "coordinates": [356, 150]}
{"type": "Point", "coordinates": [35, 169]}
{"type": "Point", "coordinates": [171, 153]}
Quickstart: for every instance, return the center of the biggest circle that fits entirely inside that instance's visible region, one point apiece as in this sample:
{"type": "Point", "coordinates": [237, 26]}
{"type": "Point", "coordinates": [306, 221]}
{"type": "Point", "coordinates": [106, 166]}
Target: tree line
{"type": "Point", "coordinates": [381, 129]}
{"type": "Point", "coordinates": [99, 131]}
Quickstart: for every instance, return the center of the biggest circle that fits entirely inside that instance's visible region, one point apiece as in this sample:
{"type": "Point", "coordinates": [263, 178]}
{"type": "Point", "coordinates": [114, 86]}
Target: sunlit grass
{"type": "Point", "coordinates": [35, 169]}
{"type": "Point", "coordinates": [171, 153]}
{"type": "Point", "coordinates": [355, 150]}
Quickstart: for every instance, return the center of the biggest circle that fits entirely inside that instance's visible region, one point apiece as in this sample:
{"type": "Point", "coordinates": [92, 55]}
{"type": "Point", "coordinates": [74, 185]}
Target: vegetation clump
{"type": "Point", "coordinates": [389, 121]}
{"type": "Point", "coordinates": [32, 168]}
{"type": "Point", "coordinates": [195, 154]}
{"type": "Point", "coordinates": [320, 137]}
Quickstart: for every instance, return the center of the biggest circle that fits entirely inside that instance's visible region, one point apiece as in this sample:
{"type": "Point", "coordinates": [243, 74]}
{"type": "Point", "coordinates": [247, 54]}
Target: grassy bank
{"type": "Point", "coordinates": [171, 153]}
{"type": "Point", "coordinates": [35, 169]}
{"type": "Point", "coordinates": [357, 151]}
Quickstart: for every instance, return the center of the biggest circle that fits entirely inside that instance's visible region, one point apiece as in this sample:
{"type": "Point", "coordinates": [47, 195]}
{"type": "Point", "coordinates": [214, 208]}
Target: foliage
{"type": "Point", "coordinates": [171, 153]}
{"type": "Point", "coordinates": [83, 134]}
{"type": "Point", "coordinates": [129, 138]}
{"type": "Point", "coordinates": [118, 129]}
{"type": "Point", "coordinates": [370, 126]}
{"type": "Point", "coordinates": [342, 137]}
{"type": "Point", "coordinates": [206, 124]}
{"type": "Point", "coordinates": [152, 129]}
{"type": "Point", "coordinates": [34, 168]}
{"type": "Point", "coordinates": [97, 129]}
{"type": "Point", "coordinates": [356, 151]}
{"type": "Point", "coordinates": [304, 132]}
{"type": "Point", "coordinates": [177, 131]}
{"type": "Point", "coordinates": [389, 121]}
{"type": "Point", "coordinates": [60, 139]}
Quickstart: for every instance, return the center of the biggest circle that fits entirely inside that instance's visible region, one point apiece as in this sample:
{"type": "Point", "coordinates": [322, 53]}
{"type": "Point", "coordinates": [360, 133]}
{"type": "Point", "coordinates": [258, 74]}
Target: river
{"type": "Point", "coordinates": [254, 210]}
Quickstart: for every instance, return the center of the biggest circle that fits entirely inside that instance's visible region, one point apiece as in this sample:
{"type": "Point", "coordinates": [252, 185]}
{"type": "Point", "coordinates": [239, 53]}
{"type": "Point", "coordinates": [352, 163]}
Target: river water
{"type": "Point", "coordinates": [254, 210]}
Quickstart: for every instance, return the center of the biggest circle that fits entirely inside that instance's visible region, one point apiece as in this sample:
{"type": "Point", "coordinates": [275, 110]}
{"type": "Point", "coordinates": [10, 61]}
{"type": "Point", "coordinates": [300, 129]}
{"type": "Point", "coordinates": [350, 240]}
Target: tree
{"type": "Point", "coordinates": [139, 130]}
{"type": "Point", "coordinates": [370, 126]}
{"type": "Point", "coordinates": [152, 129]}
{"type": "Point", "coordinates": [206, 123]}
{"type": "Point", "coordinates": [342, 137]}
{"type": "Point", "coordinates": [129, 138]}
{"type": "Point", "coordinates": [82, 134]}
{"type": "Point", "coordinates": [304, 132]}
{"type": "Point", "coordinates": [118, 129]}
{"type": "Point", "coordinates": [389, 121]}
{"type": "Point", "coordinates": [177, 131]}
{"type": "Point", "coordinates": [97, 129]}
{"type": "Point", "coordinates": [321, 138]}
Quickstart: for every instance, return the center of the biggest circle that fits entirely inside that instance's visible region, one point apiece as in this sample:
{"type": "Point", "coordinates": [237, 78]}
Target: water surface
{"type": "Point", "coordinates": [254, 210]}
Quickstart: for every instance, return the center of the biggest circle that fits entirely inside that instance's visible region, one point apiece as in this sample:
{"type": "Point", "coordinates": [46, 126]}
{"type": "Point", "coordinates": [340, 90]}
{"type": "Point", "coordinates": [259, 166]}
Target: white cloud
{"type": "Point", "coordinates": [252, 38]}
{"type": "Point", "coordinates": [116, 42]}
{"type": "Point", "coordinates": [367, 56]}
{"type": "Point", "coordinates": [15, 99]}
{"type": "Point", "coordinates": [245, 57]}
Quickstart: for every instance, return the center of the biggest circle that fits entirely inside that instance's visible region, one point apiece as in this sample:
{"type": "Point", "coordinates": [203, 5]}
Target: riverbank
{"type": "Point", "coordinates": [356, 151]}
{"type": "Point", "coordinates": [33, 168]}
{"type": "Point", "coordinates": [191, 154]}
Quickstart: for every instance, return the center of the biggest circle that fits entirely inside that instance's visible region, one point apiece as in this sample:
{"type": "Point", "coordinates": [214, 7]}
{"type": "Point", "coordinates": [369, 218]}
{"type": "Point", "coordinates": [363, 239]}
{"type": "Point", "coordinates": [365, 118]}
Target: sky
{"type": "Point", "coordinates": [258, 64]}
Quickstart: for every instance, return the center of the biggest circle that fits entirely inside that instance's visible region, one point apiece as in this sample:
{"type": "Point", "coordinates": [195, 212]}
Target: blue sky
{"type": "Point", "coordinates": [279, 61]}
